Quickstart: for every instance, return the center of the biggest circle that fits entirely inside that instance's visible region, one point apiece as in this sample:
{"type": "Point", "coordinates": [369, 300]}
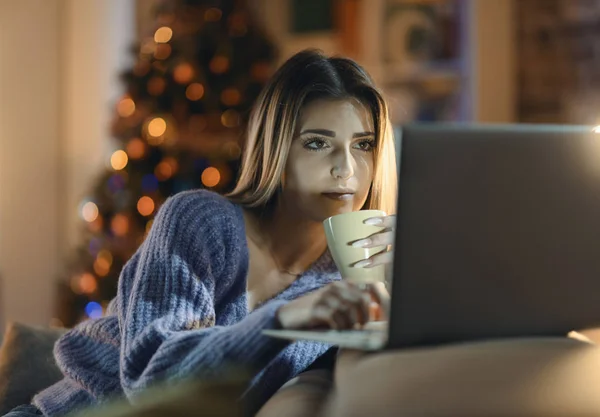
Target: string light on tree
{"type": "Point", "coordinates": [213, 14]}
{"type": "Point", "coordinates": [163, 34]}
{"type": "Point", "coordinates": [126, 107]}
{"type": "Point", "coordinates": [230, 118]}
{"type": "Point", "coordinates": [119, 225]}
{"type": "Point", "coordinates": [183, 73]}
{"type": "Point", "coordinates": [84, 283]}
{"type": "Point", "coordinates": [177, 124]}
{"type": "Point", "coordinates": [219, 64]}
{"type": "Point", "coordinates": [194, 91]}
{"type": "Point", "coordinates": [145, 206]}
{"type": "Point", "coordinates": [155, 131]}
{"type": "Point", "coordinates": [89, 212]}
{"type": "Point", "coordinates": [231, 97]}
{"type": "Point", "coordinates": [211, 177]}
{"type": "Point", "coordinates": [156, 86]}
{"type": "Point", "coordinates": [103, 263]}
{"type": "Point", "coordinates": [166, 169]}
{"type": "Point", "coordinates": [136, 148]}
{"type": "Point", "coordinates": [93, 310]}
{"type": "Point", "coordinates": [119, 160]}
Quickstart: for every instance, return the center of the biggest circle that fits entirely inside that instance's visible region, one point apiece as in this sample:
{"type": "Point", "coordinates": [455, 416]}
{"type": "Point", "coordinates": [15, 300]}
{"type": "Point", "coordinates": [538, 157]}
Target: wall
{"type": "Point", "coordinates": [490, 83]}
{"type": "Point", "coordinates": [58, 65]}
{"type": "Point", "coordinates": [493, 67]}
{"type": "Point", "coordinates": [29, 163]}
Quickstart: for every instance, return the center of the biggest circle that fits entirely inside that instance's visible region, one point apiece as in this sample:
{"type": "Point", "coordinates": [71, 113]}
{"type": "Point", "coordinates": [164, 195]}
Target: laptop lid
{"type": "Point", "coordinates": [498, 232]}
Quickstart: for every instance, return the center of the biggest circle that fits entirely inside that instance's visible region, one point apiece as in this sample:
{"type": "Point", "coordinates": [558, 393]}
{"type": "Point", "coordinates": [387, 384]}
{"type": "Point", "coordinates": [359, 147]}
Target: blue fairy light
{"type": "Point", "coordinates": [149, 183]}
{"type": "Point", "coordinates": [94, 246]}
{"type": "Point", "coordinates": [93, 310]}
{"type": "Point", "coordinates": [116, 183]}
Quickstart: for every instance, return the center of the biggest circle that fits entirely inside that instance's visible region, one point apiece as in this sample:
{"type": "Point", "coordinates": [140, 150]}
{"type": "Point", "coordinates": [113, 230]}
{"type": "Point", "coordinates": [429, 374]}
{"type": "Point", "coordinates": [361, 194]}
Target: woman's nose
{"type": "Point", "coordinates": [342, 167]}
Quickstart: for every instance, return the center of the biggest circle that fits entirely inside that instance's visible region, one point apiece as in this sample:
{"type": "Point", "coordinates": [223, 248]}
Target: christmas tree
{"type": "Point", "coordinates": [177, 127]}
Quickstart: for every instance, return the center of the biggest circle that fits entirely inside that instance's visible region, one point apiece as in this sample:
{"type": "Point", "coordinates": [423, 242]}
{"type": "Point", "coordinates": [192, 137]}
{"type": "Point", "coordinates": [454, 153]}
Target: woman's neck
{"type": "Point", "coordinates": [294, 242]}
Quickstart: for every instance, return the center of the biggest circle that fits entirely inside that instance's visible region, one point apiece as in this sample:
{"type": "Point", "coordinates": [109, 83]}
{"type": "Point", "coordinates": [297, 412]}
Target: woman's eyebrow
{"type": "Point", "coordinates": [323, 132]}
{"type": "Point", "coordinates": [331, 133]}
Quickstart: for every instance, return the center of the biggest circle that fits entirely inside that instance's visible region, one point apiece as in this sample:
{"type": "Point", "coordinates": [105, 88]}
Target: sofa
{"type": "Point", "coordinates": [542, 377]}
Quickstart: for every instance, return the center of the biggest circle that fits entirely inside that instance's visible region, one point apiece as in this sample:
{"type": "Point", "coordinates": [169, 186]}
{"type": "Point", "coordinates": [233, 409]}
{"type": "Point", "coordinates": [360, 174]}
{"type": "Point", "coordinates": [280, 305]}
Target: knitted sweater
{"type": "Point", "coordinates": [182, 310]}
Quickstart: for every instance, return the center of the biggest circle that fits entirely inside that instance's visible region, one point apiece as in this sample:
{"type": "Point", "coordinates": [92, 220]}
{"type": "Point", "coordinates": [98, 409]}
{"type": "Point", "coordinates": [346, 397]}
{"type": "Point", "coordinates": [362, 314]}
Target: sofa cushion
{"type": "Point", "coordinates": [539, 377]}
{"type": "Point", "coordinates": [27, 364]}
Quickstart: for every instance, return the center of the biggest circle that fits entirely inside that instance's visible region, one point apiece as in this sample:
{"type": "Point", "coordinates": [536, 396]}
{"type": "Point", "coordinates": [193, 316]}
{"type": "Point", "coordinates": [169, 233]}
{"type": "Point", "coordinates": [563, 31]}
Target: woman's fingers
{"type": "Point", "coordinates": [385, 221]}
{"type": "Point", "coordinates": [383, 238]}
{"type": "Point", "coordinates": [381, 296]}
{"type": "Point", "coordinates": [385, 257]}
{"type": "Point", "coordinates": [343, 306]}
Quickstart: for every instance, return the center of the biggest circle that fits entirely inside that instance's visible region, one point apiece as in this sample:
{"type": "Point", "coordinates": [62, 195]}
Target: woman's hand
{"type": "Point", "coordinates": [339, 305]}
{"type": "Point", "coordinates": [383, 238]}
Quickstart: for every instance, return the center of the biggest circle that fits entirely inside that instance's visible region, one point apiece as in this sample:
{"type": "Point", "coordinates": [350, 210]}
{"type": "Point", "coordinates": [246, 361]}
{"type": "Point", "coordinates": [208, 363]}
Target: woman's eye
{"type": "Point", "coordinates": [365, 145]}
{"type": "Point", "coordinates": [315, 144]}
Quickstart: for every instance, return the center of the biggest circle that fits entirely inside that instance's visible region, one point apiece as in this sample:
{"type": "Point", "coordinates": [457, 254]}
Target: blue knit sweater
{"type": "Point", "coordinates": [182, 310]}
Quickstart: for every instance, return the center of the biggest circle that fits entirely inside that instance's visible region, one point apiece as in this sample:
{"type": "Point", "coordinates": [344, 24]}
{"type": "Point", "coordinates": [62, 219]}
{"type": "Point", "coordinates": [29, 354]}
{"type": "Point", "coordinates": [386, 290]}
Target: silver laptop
{"type": "Point", "coordinates": [498, 236]}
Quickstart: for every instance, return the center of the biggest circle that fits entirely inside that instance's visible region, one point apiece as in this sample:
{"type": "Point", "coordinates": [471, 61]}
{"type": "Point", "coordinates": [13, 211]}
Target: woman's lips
{"type": "Point", "coordinates": [339, 196]}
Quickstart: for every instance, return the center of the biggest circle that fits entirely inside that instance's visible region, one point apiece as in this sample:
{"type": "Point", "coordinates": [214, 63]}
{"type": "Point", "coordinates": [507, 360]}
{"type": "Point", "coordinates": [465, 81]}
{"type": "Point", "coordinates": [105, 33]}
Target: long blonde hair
{"type": "Point", "coordinates": [307, 76]}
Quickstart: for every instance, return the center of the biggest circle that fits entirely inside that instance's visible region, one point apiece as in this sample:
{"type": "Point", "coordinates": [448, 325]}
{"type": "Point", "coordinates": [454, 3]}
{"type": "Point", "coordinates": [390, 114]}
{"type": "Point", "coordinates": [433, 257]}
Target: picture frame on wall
{"type": "Point", "coordinates": [419, 37]}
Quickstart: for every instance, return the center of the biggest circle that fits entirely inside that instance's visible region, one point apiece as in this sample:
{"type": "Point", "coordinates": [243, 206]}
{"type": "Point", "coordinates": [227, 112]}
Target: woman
{"type": "Point", "coordinates": [215, 271]}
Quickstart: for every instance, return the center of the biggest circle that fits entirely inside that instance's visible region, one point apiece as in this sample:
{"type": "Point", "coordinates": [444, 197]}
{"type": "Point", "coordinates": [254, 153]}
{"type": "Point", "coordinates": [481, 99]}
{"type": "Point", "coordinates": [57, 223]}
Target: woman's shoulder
{"type": "Point", "coordinates": [199, 206]}
{"type": "Point", "coordinates": [198, 217]}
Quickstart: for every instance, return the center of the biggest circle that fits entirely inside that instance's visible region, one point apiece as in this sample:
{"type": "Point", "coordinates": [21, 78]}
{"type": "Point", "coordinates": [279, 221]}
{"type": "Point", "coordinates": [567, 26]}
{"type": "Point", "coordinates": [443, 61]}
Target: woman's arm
{"type": "Point", "coordinates": [166, 306]}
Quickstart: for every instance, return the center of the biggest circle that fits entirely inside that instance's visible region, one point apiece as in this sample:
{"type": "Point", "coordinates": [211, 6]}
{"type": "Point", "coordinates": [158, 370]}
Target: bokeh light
{"type": "Point", "coordinates": [194, 91]}
{"type": "Point", "coordinates": [156, 86]}
{"type": "Point", "coordinates": [238, 25]}
{"type": "Point", "coordinates": [231, 96]}
{"type": "Point", "coordinates": [136, 148]}
{"type": "Point", "coordinates": [163, 34]}
{"type": "Point", "coordinates": [211, 177]}
{"type": "Point", "coordinates": [213, 15]}
{"type": "Point", "coordinates": [145, 206]}
{"type": "Point", "coordinates": [103, 263]}
{"type": "Point", "coordinates": [219, 64]}
{"type": "Point", "coordinates": [93, 310]}
{"type": "Point", "coordinates": [157, 127]}
{"type": "Point", "coordinates": [119, 160]}
{"type": "Point", "coordinates": [95, 246]}
{"type": "Point", "coordinates": [126, 107]}
{"type": "Point", "coordinates": [87, 283]}
{"type": "Point", "coordinates": [84, 283]}
{"type": "Point", "coordinates": [230, 118]}
{"type": "Point", "coordinates": [183, 73]}
{"type": "Point", "coordinates": [119, 225]}
{"type": "Point", "coordinates": [261, 71]}
{"type": "Point", "coordinates": [89, 212]}
{"type": "Point", "coordinates": [116, 183]}
{"type": "Point", "coordinates": [149, 183]}
{"type": "Point", "coordinates": [166, 168]}
{"type": "Point", "coordinates": [232, 150]}
{"type": "Point", "coordinates": [101, 267]}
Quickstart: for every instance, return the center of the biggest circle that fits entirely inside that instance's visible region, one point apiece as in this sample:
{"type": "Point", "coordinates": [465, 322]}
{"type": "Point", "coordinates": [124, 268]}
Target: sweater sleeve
{"type": "Point", "coordinates": [166, 302]}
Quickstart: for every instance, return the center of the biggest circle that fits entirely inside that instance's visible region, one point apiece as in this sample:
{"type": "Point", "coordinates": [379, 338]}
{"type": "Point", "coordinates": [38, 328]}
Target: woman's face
{"type": "Point", "coordinates": [330, 165]}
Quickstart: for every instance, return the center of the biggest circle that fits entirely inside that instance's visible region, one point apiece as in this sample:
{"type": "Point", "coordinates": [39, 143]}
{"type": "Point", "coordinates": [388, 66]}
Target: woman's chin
{"type": "Point", "coordinates": [334, 210]}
